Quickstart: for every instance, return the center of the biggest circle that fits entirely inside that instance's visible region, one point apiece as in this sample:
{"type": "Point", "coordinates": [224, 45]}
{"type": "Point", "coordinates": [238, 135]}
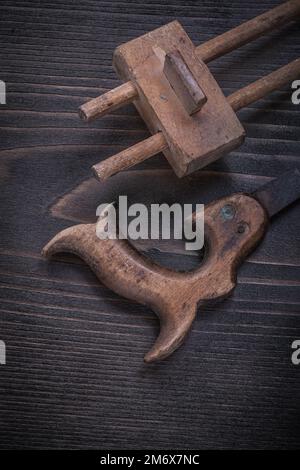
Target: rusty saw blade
{"type": "Point", "coordinates": [279, 192]}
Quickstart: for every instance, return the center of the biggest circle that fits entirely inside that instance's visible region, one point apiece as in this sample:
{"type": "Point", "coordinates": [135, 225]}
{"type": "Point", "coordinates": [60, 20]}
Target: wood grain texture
{"type": "Point", "coordinates": [157, 143]}
{"type": "Point", "coordinates": [130, 157]}
{"type": "Point", "coordinates": [74, 376]}
{"type": "Point", "coordinates": [216, 47]}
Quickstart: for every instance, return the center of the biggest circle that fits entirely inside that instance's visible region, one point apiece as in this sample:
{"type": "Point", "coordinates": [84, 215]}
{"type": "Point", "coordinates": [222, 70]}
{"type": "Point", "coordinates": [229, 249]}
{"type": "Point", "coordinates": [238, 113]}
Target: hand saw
{"type": "Point", "coordinates": [234, 225]}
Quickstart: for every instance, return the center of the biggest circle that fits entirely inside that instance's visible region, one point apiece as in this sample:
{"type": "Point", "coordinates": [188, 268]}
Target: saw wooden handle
{"type": "Point", "coordinates": [233, 226]}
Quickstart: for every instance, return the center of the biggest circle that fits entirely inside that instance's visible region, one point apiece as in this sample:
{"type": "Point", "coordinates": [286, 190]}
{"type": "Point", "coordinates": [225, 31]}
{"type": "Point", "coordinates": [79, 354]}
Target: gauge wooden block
{"type": "Point", "coordinates": [194, 140]}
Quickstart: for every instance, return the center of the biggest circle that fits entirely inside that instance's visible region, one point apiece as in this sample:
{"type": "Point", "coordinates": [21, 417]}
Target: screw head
{"type": "Point", "coordinates": [228, 212]}
{"type": "Point", "coordinates": [242, 227]}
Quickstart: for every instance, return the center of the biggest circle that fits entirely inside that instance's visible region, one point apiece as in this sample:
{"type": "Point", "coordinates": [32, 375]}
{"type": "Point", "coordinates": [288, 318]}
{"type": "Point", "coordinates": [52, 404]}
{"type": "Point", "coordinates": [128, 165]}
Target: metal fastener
{"type": "Point", "coordinates": [228, 212]}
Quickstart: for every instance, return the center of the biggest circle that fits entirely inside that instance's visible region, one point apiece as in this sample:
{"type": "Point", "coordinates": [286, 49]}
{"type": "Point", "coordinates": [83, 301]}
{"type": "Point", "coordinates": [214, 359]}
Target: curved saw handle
{"type": "Point", "coordinates": [233, 226]}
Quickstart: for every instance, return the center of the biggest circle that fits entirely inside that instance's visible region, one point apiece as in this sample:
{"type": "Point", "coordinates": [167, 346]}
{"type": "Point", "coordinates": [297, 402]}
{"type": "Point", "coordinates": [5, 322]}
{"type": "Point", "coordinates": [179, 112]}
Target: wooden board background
{"type": "Point", "coordinates": [74, 376]}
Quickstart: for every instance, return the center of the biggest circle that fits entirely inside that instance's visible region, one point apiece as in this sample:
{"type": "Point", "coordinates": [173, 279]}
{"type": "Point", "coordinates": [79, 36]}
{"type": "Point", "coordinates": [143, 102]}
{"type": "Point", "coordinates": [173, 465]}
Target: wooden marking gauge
{"type": "Point", "coordinates": [167, 79]}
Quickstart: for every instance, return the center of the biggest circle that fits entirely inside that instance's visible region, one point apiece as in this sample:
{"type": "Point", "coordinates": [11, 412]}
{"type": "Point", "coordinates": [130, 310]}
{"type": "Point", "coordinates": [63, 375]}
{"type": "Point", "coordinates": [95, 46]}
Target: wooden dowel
{"type": "Point", "coordinates": [237, 100]}
{"type": "Point", "coordinates": [109, 101]}
{"type": "Point", "coordinates": [208, 51]}
{"type": "Point", "coordinates": [256, 90]}
{"type": "Point", "coordinates": [131, 156]}
{"type": "Point", "coordinates": [249, 31]}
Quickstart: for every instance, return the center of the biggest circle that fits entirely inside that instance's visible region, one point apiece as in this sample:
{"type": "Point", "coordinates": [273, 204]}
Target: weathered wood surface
{"type": "Point", "coordinates": [74, 375]}
{"type": "Point", "coordinates": [193, 141]}
{"type": "Point", "coordinates": [218, 46]}
{"type": "Point", "coordinates": [130, 156]}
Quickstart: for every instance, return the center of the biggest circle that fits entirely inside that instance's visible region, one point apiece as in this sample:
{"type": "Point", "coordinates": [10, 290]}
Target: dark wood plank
{"type": "Point", "coordinates": [74, 376]}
